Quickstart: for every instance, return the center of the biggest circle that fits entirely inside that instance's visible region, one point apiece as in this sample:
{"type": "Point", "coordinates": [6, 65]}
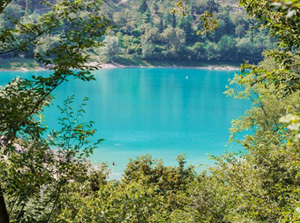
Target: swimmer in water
{"type": "Point", "coordinates": [113, 163]}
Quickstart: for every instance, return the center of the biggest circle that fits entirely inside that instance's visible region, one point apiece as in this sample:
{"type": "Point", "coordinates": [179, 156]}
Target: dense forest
{"type": "Point", "coordinates": [145, 32]}
{"type": "Point", "coordinates": [39, 184]}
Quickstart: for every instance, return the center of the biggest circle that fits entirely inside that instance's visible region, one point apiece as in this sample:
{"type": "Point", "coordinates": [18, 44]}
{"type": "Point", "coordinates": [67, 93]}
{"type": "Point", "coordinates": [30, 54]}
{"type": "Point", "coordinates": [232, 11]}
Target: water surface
{"type": "Point", "coordinates": [161, 111]}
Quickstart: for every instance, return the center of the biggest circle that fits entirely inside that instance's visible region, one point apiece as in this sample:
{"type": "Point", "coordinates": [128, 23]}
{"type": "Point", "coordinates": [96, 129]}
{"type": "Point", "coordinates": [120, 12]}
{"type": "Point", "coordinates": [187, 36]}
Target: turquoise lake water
{"type": "Point", "coordinates": [162, 111]}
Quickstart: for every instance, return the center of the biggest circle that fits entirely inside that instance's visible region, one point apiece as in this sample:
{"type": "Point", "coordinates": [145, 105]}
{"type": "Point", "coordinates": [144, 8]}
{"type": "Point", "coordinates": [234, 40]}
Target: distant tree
{"type": "Point", "coordinates": [212, 51]}
{"type": "Point", "coordinates": [198, 51]}
{"type": "Point", "coordinates": [186, 25]}
{"type": "Point", "coordinates": [174, 21]}
{"type": "Point", "coordinates": [240, 30]}
{"type": "Point", "coordinates": [199, 7]}
{"type": "Point", "coordinates": [148, 17]}
{"type": "Point", "coordinates": [213, 6]}
{"type": "Point", "coordinates": [12, 12]}
{"type": "Point", "coordinates": [174, 40]}
{"type": "Point", "coordinates": [130, 44]}
{"type": "Point", "coordinates": [111, 48]}
{"type": "Point", "coordinates": [29, 7]}
{"type": "Point", "coordinates": [225, 25]}
{"type": "Point", "coordinates": [143, 7]}
{"type": "Point", "coordinates": [148, 42]}
{"type": "Point", "coordinates": [120, 19]}
{"type": "Point", "coordinates": [161, 25]}
{"type": "Point", "coordinates": [247, 50]}
{"type": "Point", "coordinates": [156, 7]}
{"type": "Point", "coordinates": [227, 48]}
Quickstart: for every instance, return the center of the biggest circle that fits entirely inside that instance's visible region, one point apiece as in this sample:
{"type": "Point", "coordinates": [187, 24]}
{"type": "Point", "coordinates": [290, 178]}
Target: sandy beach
{"type": "Point", "coordinates": [210, 67]}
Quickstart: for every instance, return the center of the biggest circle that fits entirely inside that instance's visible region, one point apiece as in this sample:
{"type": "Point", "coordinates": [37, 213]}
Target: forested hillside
{"type": "Point", "coordinates": [147, 33]}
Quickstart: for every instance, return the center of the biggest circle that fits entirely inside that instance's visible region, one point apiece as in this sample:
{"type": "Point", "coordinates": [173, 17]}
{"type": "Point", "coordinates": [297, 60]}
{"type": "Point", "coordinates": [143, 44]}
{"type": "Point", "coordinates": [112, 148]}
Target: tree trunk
{"type": "Point", "coordinates": [4, 218]}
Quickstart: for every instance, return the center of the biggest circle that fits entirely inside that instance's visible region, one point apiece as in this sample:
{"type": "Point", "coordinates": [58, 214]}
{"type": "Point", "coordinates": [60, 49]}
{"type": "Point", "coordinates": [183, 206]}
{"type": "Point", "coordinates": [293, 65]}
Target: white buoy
{"type": "Point", "coordinates": [186, 77]}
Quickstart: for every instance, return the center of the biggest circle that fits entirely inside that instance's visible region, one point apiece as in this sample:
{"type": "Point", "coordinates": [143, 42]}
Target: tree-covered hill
{"type": "Point", "coordinates": [146, 32]}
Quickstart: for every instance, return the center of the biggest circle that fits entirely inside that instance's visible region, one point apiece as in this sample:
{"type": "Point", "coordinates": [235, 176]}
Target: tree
{"type": "Point", "coordinates": [271, 158]}
{"type": "Point", "coordinates": [143, 7]}
{"type": "Point", "coordinates": [174, 22]}
{"type": "Point", "coordinates": [111, 48]}
{"type": "Point", "coordinates": [211, 51]}
{"type": "Point", "coordinates": [13, 11]}
{"type": "Point", "coordinates": [27, 165]}
{"type": "Point", "coordinates": [120, 18]}
{"type": "Point", "coordinates": [227, 48]}
{"type": "Point", "coordinates": [175, 41]}
{"type": "Point", "coordinates": [161, 25]}
{"type": "Point", "coordinates": [247, 50]}
{"type": "Point", "coordinates": [149, 192]}
{"type": "Point", "coordinates": [28, 7]}
{"type": "Point", "coordinates": [261, 183]}
{"type": "Point", "coordinates": [148, 42]}
{"type": "Point", "coordinates": [155, 7]}
{"type": "Point", "coordinates": [186, 25]}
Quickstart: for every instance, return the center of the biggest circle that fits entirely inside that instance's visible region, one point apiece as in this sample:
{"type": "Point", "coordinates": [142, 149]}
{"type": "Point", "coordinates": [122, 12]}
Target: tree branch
{"type": "Point", "coordinates": [26, 42]}
{"type": "Point", "coordinates": [46, 95]}
{"type": "Point", "coordinates": [4, 6]}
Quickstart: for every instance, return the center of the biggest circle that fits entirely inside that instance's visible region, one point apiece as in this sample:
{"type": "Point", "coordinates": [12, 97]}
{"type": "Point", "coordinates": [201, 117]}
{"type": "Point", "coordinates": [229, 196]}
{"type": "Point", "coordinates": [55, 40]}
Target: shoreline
{"type": "Point", "coordinates": [209, 67]}
{"type": "Point", "coordinates": [115, 65]}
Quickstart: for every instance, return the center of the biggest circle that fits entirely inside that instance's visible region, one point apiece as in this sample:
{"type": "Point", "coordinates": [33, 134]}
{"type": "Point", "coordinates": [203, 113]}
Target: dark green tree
{"type": "Point", "coordinates": [143, 7]}
{"type": "Point", "coordinates": [186, 25]}
{"type": "Point", "coordinates": [174, 20]}
{"type": "Point", "coordinates": [161, 25]}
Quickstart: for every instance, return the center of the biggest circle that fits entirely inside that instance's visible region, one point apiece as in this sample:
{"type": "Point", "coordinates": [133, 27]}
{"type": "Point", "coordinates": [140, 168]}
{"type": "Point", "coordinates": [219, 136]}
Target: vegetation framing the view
{"type": "Point", "coordinates": [38, 184]}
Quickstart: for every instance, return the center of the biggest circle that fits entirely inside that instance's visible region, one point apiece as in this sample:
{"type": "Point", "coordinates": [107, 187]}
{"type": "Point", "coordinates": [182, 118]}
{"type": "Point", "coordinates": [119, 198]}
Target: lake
{"type": "Point", "coordinates": [161, 111]}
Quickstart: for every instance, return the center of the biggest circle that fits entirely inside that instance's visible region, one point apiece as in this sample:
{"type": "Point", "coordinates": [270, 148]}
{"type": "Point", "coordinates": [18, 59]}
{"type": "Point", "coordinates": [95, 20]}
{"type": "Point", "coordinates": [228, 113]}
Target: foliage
{"type": "Point", "coordinates": [110, 50]}
{"type": "Point", "coordinates": [134, 19]}
{"type": "Point", "coordinates": [258, 184]}
{"type": "Point", "coordinates": [32, 175]}
{"type": "Point", "coordinates": [149, 192]}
